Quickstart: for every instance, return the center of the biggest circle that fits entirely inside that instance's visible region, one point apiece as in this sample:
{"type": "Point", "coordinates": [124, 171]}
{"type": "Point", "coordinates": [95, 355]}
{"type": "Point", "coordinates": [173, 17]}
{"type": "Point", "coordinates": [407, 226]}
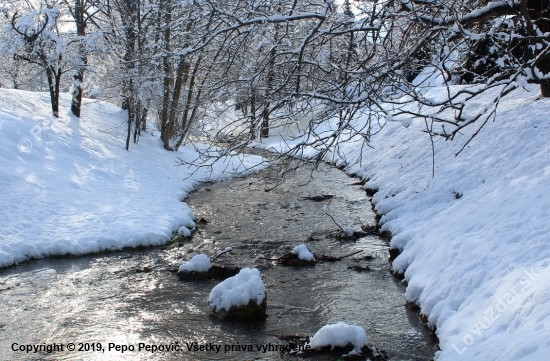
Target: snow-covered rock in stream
{"type": "Point", "coordinates": [200, 268]}
{"type": "Point", "coordinates": [339, 335]}
{"type": "Point", "coordinates": [199, 263]}
{"type": "Point", "coordinates": [298, 257]}
{"type": "Point", "coordinates": [303, 253]}
{"type": "Point", "coordinates": [241, 297]}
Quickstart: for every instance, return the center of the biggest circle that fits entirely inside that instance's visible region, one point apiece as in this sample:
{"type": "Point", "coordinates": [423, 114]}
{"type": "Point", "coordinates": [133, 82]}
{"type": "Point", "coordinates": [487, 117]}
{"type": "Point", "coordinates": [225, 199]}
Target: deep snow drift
{"type": "Point", "coordinates": [476, 237]}
{"type": "Point", "coordinates": [69, 185]}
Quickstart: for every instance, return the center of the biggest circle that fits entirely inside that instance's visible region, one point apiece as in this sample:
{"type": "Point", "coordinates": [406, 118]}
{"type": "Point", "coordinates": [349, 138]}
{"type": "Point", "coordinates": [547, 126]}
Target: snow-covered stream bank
{"type": "Point", "coordinates": [131, 297]}
{"type": "Point", "coordinates": [476, 237]}
{"type": "Point", "coordinates": [68, 186]}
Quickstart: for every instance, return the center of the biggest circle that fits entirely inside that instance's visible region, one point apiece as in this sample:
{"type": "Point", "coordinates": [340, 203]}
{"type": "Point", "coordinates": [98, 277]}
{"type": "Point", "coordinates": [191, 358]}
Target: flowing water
{"type": "Point", "coordinates": [133, 297]}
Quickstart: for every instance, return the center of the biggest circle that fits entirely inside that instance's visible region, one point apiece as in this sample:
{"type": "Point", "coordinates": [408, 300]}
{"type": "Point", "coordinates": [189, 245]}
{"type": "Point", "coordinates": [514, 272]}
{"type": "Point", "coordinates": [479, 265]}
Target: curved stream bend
{"type": "Point", "coordinates": [130, 297]}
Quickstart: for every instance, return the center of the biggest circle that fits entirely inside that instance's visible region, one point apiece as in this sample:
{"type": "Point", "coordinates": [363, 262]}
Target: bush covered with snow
{"type": "Point", "coordinates": [339, 335]}
{"type": "Point", "coordinates": [303, 253]}
{"type": "Point", "coordinates": [199, 263]}
{"type": "Point", "coordinates": [238, 290]}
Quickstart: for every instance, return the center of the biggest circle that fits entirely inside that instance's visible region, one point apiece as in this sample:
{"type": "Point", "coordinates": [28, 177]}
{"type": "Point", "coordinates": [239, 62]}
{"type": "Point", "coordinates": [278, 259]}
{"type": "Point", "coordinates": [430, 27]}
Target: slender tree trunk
{"type": "Point", "coordinates": [182, 76]}
{"type": "Point", "coordinates": [264, 132]}
{"type": "Point", "coordinates": [539, 12]}
{"type": "Point", "coordinates": [130, 120]}
{"type": "Point", "coordinates": [253, 114]}
{"type": "Point", "coordinates": [54, 79]}
{"type": "Point", "coordinates": [128, 83]}
{"type": "Point", "coordinates": [265, 122]}
{"type": "Point", "coordinates": [76, 103]}
{"type": "Point", "coordinates": [143, 120]}
{"type": "Point", "coordinates": [186, 120]}
{"type": "Point", "coordinates": [165, 132]}
{"type": "Point", "coordinates": [137, 125]}
{"type": "Point", "coordinates": [51, 87]}
{"type": "Point", "coordinates": [57, 86]}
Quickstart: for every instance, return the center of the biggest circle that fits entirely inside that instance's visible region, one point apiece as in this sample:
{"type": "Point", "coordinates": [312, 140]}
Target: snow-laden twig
{"type": "Point", "coordinates": [226, 249]}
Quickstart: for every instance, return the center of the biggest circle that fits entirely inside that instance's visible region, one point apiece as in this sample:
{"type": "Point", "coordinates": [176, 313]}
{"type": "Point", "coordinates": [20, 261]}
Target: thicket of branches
{"type": "Point", "coordinates": [275, 62]}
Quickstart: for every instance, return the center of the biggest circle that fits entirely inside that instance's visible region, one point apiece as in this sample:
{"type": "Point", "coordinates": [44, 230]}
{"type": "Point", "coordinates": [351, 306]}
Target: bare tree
{"type": "Point", "coordinates": [34, 38]}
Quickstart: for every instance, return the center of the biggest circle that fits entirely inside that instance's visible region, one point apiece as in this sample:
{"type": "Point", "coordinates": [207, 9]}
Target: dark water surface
{"type": "Point", "coordinates": [105, 299]}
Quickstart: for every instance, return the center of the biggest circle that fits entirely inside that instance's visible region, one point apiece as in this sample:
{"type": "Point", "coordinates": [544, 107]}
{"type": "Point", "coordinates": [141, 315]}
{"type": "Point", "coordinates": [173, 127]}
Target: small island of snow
{"type": "Point", "coordinates": [339, 335]}
{"type": "Point", "coordinates": [199, 263]}
{"type": "Point", "coordinates": [303, 253]}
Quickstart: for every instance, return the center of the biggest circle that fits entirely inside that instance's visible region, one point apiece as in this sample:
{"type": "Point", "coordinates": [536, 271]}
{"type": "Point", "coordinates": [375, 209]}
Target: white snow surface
{"type": "Point", "coordinates": [199, 263]}
{"type": "Point", "coordinates": [339, 335]}
{"type": "Point", "coordinates": [69, 185]}
{"type": "Point", "coordinates": [238, 290]}
{"type": "Point", "coordinates": [476, 237]}
{"type": "Point", "coordinates": [303, 253]}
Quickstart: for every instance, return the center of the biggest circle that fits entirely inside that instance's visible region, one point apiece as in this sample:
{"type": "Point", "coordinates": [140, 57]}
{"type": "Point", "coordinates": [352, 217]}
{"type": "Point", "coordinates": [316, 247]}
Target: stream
{"type": "Point", "coordinates": [133, 296]}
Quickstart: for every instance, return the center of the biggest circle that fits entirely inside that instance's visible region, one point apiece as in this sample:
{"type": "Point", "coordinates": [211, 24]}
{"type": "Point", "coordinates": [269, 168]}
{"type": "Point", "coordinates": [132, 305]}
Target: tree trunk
{"type": "Point", "coordinates": [253, 115]}
{"type": "Point", "coordinates": [76, 103]}
{"type": "Point", "coordinates": [545, 90]}
{"type": "Point", "coordinates": [137, 127]}
{"type": "Point", "coordinates": [51, 89]}
{"type": "Point", "coordinates": [54, 79]}
{"type": "Point", "coordinates": [130, 120]}
{"type": "Point", "coordinates": [186, 120]}
{"type": "Point", "coordinates": [57, 86]}
{"type": "Point", "coordinates": [182, 75]}
{"type": "Point", "coordinates": [143, 120]}
{"type": "Point", "coordinates": [264, 133]}
{"type": "Point", "coordinates": [539, 12]}
{"type": "Point", "coordinates": [264, 128]}
{"type": "Point", "coordinates": [130, 95]}
{"type": "Point", "coordinates": [165, 127]}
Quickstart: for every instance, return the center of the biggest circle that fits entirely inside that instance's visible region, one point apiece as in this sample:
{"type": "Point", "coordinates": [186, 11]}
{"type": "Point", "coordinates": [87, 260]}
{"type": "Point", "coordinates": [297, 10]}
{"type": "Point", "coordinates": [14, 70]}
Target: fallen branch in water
{"type": "Point", "coordinates": [351, 254]}
{"type": "Point", "coordinates": [334, 259]}
{"type": "Point", "coordinates": [227, 249]}
{"type": "Point", "coordinates": [319, 197]}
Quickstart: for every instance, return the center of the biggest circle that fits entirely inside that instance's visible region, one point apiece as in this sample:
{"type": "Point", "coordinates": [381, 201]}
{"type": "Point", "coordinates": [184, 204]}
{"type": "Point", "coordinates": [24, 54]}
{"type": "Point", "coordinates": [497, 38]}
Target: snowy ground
{"type": "Point", "coordinates": [476, 237]}
{"type": "Point", "coordinates": [69, 186]}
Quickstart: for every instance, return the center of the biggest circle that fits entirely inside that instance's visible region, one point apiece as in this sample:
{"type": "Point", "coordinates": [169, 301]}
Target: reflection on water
{"type": "Point", "coordinates": [109, 299]}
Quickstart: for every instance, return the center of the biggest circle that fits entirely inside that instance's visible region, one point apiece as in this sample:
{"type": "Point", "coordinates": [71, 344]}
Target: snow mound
{"type": "Point", "coordinates": [199, 263]}
{"type": "Point", "coordinates": [339, 335]}
{"type": "Point", "coordinates": [238, 290]}
{"type": "Point", "coordinates": [348, 230]}
{"type": "Point", "coordinates": [303, 253]}
{"type": "Point", "coordinates": [184, 231]}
